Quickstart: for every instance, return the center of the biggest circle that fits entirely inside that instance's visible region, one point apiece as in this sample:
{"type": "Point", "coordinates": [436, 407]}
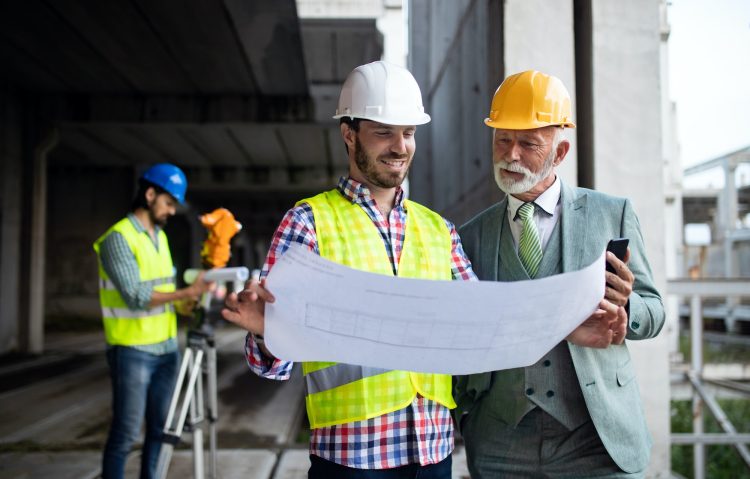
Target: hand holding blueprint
{"type": "Point", "coordinates": [328, 312]}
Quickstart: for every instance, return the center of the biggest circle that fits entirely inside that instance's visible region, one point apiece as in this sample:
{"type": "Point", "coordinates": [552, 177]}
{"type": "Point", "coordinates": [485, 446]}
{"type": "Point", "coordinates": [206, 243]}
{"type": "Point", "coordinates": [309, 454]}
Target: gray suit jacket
{"type": "Point", "coordinates": [589, 219]}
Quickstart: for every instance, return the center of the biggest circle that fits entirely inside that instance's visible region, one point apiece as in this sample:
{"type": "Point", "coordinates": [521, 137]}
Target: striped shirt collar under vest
{"type": "Point", "coordinates": [142, 229]}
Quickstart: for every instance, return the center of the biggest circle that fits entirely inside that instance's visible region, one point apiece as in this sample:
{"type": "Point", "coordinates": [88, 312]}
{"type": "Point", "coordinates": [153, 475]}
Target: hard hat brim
{"type": "Point", "coordinates": [510, 125]}
{"type": "Point", "coordinates": [395, 121]}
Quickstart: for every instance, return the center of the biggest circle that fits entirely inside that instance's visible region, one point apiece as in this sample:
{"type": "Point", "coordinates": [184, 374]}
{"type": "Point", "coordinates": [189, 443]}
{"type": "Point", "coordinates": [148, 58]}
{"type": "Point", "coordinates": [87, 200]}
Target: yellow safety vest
{"type": "Point", "coordinates": [341, 393]}
{"type": "Point", "coordinates": [124, 326]}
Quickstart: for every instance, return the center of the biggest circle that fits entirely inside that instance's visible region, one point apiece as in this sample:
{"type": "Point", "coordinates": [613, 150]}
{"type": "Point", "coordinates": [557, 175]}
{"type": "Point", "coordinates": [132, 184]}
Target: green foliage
{"type": "Point", "coordinates": [716, 352]}
{"type": "Point", "coordinates": [722, 461]}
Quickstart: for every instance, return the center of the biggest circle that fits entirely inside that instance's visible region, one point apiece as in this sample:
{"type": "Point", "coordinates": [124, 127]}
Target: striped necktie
{"type": "Point", "coordinates": [529, 246]}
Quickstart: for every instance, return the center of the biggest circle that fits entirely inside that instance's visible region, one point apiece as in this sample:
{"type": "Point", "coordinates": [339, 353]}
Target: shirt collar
{"type": "Point", "coordinates": [138, 226]}
{"type": "Point", "coordinates": [357, 192]}
{"type": "Point", "coordinates": [547, 201]}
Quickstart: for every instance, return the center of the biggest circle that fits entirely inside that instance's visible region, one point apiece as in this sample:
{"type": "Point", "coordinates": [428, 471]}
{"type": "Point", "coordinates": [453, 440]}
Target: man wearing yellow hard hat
{"type": "Point", "coordinates": [576, 412]}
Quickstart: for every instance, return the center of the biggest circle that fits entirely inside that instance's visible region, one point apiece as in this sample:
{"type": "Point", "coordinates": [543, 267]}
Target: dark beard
{"type": "Point", "coordinates": [161, 223]}
{"type": "Point", "coordinates": [370, 173]}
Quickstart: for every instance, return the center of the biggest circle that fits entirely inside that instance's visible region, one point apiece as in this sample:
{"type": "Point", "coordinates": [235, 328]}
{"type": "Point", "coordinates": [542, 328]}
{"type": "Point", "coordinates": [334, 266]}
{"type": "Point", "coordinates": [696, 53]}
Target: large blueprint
{"type": "Point", "coordinates": [328, 312]}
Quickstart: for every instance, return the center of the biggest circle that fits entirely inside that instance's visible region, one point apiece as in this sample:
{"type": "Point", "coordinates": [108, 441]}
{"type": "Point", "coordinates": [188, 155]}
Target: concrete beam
{"type": "Point", "coordinates": [173, 108]}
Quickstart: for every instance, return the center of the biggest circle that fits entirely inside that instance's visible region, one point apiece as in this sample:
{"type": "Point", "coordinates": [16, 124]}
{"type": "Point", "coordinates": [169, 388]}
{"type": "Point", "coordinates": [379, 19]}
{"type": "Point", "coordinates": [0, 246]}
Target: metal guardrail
{"type": "Point", "coordinates": [696, 290]}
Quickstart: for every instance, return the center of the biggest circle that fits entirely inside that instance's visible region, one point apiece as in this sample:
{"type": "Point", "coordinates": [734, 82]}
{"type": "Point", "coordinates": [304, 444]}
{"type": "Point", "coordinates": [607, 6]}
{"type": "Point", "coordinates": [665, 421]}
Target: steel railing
{"type": "Point", "coordinates": [697, 290]}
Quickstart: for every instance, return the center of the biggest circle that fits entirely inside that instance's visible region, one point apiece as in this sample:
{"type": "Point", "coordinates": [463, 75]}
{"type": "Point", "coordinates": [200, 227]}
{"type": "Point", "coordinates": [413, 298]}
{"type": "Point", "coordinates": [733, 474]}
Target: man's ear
{"type": "Point", "coordinates": [349, 136]}
{"type": "Point", "coordinates": [150, 194]}
{"type": "Point", "coordinates": [562, 149]}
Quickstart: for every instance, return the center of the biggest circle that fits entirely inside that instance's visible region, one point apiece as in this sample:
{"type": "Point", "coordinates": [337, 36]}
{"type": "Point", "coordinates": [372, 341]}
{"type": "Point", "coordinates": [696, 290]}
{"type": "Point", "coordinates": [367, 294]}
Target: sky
{"type": "Point", "coordinates": [709, 76]}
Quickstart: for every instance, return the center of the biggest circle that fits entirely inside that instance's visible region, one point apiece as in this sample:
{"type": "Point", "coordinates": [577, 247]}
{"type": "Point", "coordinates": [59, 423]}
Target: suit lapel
{"type": "Point", "coordinates": [509, 265]}
{"type": "Point", "coordinates": [574, 228]}
{"type": "Point", "coordinates": [491, 226]}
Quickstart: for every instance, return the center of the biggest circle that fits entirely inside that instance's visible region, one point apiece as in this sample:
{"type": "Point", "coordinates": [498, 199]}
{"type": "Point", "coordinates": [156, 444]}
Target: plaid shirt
{"type": "Point", "coordinates": [419, 433]}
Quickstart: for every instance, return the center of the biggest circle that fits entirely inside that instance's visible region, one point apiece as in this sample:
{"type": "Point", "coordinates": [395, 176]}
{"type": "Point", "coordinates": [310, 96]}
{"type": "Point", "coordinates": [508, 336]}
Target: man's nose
{"type": "Point", "coordinates": [399, 145]}
{"type": "Point", "coordinates": [514, 152]}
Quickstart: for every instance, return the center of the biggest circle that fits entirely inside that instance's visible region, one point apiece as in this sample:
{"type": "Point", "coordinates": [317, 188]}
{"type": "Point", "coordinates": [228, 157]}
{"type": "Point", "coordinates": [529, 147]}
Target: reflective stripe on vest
{"type": "Point", "coordinates": [342, 393]}
{"type": "Point", "coordinates": [338, 375]}
{"type": "Point", "coordinates": [106, 283]}
{"type": "Point", "coordinates": [122, 325]}
{"type": "Point", "coordinates": [126, 313]}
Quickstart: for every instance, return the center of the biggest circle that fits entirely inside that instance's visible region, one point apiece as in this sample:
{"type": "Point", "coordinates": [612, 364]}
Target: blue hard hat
{"type": "Point", "coordinates": [168, 177]}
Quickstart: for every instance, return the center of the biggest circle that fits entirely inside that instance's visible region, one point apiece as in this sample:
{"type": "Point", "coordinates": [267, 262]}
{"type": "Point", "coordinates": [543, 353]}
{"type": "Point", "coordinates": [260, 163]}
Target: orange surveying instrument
{"type": "Point", "coordinates": [221, 227]}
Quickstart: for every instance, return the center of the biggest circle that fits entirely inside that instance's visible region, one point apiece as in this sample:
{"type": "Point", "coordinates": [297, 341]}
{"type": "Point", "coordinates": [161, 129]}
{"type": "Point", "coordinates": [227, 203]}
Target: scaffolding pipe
{"type": "Point", "coordinates": [709, 438]}
{"type": "Point", "coordinates": [696, 362]}
{"type": "Point", "coordinates": [719, 415]}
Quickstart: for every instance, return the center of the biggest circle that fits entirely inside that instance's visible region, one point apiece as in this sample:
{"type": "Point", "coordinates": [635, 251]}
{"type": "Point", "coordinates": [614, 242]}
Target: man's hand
{"type": "Point", "coordinates": [184, 307]}
{"type": "Point", "coordinates": [608, 325]}
{"type": "Point", "coordinates": [199, 286]}
{"type": "Point", "coordinates": [620, 283]}
{"type": "Point", "coordinates": [247, 309]}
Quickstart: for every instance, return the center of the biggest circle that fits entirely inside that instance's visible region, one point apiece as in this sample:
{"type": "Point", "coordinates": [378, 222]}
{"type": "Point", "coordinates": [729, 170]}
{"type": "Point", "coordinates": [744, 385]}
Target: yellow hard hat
{"type": "Point", "coordinates": [528, 100]}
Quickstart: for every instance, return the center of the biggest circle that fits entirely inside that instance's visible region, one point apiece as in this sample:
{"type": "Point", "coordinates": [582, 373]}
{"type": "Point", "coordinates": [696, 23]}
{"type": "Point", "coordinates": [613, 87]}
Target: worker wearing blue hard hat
{"type": "Point", "coordinates": [168, 177]}
{"type": "Point", "coordinates": [138, 296]}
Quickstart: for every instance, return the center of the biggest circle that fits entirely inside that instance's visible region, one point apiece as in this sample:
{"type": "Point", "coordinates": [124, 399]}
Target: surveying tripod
{"type": "Point", "coordinates": [199, 359]}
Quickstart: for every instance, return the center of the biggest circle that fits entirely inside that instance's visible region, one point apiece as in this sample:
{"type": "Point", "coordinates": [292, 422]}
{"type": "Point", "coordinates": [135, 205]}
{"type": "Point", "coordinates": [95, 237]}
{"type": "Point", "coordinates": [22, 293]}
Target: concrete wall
{"type": "Point", "coordinates": [83, 202]}
{"type": "Point", "coordinates": [449, 56]}
{"type": "Point", "coordinates": [628, 162]}
{"type": "Point", "coordinates": [10, 216]}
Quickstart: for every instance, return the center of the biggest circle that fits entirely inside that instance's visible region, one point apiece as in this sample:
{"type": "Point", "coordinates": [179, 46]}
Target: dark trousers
{"type": "Point", "coordinates": [322, 469]}
{"type": "Point", "coordinates": [539, 447]}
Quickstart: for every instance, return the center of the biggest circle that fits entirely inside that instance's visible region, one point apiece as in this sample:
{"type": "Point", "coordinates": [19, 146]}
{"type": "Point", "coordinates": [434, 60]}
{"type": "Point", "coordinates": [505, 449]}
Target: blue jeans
{"type": "Point", "coordinates": [142, 386]}
{"type": "Point", "coordinates": [322, 469]}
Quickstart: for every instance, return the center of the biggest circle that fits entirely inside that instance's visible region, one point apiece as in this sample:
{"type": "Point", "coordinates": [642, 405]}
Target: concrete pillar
{"type": "Point", "coordinates": [35, 338]}
{"type": "Point", "coordinates": [729, 214]}
{"type": "Point", "coordinates": [627, 136]}
{"type": "Point", "coordinates": [391, 24]}
{"type": "Point", "coordinates": [10, 219]}
{"type": "Point", "coordinates": [538, 35]}
{"type": "Point", "coordinates": [673, 231]}
{"type": "Point", "coordinates": [729, 217]}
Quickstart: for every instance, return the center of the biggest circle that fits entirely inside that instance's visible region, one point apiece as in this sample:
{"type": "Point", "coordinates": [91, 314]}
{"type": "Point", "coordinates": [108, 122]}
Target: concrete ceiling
{"type": "Point", "coordinates": [146, 47]}
{"type": "Point", "coordinates": [231, 90]}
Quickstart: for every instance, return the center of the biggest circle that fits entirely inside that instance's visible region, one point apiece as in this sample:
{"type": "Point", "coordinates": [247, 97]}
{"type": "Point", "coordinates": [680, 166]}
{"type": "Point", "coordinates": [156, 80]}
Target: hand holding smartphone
{"type": "Point", "coordinates": [619, 246]}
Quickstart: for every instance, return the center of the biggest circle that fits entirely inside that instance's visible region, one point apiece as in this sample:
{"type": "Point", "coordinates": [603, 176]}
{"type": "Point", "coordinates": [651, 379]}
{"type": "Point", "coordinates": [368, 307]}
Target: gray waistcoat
{"type": "Point", "coordinates": [551, 383]}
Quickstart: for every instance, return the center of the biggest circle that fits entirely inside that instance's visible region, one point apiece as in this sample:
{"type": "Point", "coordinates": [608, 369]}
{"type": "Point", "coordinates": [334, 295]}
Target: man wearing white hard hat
{"type": "Point", "coordinates": [365, 422]}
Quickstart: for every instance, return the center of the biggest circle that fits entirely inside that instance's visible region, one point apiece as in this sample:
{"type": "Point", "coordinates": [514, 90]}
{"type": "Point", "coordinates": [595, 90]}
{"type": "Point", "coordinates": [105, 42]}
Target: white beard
{"type": "Point", "coordinates": [529, 180]}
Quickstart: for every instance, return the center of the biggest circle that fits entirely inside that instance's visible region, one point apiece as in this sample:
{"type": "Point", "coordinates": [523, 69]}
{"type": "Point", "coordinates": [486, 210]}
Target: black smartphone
{"type": "Point", "coordinates": [619, 246]}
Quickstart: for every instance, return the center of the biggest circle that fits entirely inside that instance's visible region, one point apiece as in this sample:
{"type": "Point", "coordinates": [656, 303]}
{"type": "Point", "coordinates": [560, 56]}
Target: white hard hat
{"type": "Point", "coordinates": [382, 92]}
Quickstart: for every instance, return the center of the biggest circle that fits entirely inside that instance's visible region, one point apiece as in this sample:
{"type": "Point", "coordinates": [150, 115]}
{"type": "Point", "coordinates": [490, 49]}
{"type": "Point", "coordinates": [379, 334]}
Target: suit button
{"type": "Point", "coordinates": [530, 391]}
{"type": "Point", "coordinates": [635, 325]}
{"type": "Point", "coordinates": [547, 362]}
{"type": "Point", "coordinates": [550, 394]}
